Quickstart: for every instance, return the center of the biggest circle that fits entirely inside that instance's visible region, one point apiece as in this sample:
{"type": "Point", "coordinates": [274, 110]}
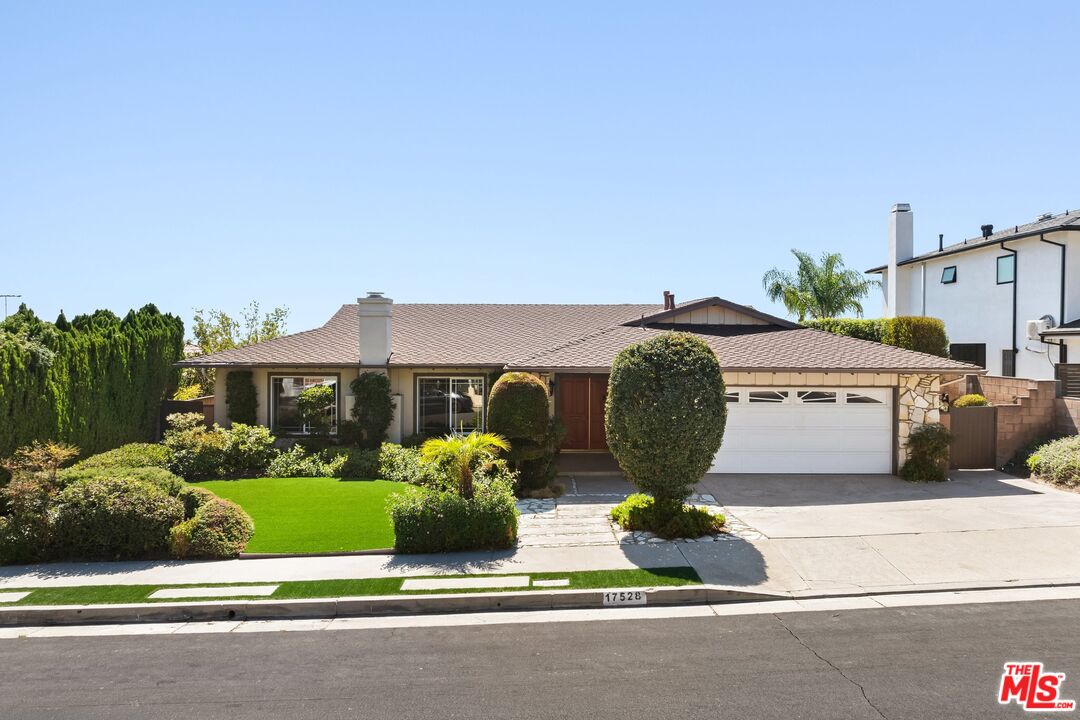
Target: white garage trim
{"type": "Point", "coordinates": [807, 430]}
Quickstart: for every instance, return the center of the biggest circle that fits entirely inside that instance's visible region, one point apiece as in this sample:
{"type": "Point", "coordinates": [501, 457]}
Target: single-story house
{"type": "Point", "coordinates": [800, 400]}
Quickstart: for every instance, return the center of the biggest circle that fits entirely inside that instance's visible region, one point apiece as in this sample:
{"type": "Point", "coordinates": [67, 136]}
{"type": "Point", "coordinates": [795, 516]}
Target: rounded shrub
{"type": "Point", "coordinates": [194, 497]}
{"type": "Point", "coordinates": [1057, 461]}
{"type": "Point", "coordinates": [25, 531]}
{"type": "Point", "coordinates": [518, 410]}
{"type": "Point", "coordinates": [130, 455]}
{"type": "Point", "coordinates": [218, 529]}
{"type": "Point", "coordinates": [639, 512]}
{"type": "Point", "coordinates": [111, 518]}
{"type": "Point", "coordinates": [247, 449]}
{"type": "Point", "coordinates": [928, 448]}
{"type": "Point", "coordinates": [970, 400]}
{"type": "Point", "coordinates": [665, 414]}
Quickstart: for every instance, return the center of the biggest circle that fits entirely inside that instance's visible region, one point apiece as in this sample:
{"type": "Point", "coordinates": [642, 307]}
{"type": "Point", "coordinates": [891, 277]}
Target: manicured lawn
{"type": "Point", "coordinates": [583, 580]}
{"type": "Point", "coordinates": [313, 514]}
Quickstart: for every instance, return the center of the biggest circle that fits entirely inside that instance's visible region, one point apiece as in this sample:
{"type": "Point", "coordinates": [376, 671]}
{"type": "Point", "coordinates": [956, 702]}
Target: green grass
{"type": "Point", "coordinates": [585, 580]}
{"type": "Point", "coordinates": [296, 515]}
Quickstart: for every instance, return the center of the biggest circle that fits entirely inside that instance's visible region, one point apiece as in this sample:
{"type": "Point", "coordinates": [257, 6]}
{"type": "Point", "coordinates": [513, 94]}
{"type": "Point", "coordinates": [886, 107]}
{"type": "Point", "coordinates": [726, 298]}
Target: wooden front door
{"type": "Point", "coordinates": [580, 403]}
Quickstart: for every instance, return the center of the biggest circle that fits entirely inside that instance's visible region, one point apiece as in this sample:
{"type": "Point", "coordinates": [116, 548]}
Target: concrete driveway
{"type": "Point", "coordinates": [800, 506]}
{"type": "Point", "coordinates": [877, 532]}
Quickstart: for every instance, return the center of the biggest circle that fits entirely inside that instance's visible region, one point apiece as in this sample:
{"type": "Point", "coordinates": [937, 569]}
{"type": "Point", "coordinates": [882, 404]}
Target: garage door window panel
{"type": "Point", "coordinates": [768, 396]}
{"type": "Point", "coordinates": [817, 397]}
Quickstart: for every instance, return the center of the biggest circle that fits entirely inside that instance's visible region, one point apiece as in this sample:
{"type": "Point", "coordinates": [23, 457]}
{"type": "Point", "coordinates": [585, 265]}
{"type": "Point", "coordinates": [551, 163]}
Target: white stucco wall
{"type": "Point", "coordinates": [976, 309]}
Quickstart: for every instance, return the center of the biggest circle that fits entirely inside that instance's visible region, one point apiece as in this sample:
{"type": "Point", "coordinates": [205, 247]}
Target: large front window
{"type": "Point", "coordinates": [449, 404]}
{"type": "Point", "coordinates": [284, 410]}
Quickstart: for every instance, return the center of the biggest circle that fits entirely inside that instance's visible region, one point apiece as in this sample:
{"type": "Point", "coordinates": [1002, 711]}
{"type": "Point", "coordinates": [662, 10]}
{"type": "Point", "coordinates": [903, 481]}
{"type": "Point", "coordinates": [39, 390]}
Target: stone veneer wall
{"type": "Point", "coordinates": [919, 403]}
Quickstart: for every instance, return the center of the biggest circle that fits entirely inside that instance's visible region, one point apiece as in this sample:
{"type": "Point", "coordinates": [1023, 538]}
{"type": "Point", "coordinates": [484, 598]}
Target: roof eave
{"type": "Point", "coordinates": [980, 244]}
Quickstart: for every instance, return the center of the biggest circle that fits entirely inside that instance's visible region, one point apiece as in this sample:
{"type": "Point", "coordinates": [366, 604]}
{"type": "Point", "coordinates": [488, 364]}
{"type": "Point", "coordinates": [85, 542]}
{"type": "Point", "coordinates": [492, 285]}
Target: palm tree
{"type": "Point", "coordinates": [818, 289]}
{"type": "Point", "coordinates": [463, 454]}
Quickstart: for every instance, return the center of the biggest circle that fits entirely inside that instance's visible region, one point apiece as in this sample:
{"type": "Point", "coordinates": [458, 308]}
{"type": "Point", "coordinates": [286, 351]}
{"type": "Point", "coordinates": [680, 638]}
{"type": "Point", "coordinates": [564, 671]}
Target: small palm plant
{"type": "Point", "coordinates": [463, 454]}
{"type": "Point", "coordinates": [818, 289]}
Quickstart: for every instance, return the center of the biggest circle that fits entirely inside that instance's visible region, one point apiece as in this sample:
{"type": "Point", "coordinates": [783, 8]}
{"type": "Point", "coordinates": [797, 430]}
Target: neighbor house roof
{"type": "Point", "coordinates": [753, 348]}
{"type": "Point", "coordinates": [1069, 220]}
{"type": "Point", "coordinates": [573, 337]}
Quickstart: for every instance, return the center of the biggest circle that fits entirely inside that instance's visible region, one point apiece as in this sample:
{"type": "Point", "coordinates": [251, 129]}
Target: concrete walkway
{"type": "Point", "coordinates": [875, 534]}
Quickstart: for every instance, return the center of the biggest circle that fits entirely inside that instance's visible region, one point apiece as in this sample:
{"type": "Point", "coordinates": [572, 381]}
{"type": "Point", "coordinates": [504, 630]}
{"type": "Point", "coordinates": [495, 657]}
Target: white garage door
{"type": "Point", "coordinates": [807, 430]}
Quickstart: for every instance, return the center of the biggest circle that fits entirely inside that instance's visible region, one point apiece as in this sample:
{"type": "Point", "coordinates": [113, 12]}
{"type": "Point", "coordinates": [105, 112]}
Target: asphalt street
{"type": "Point", "coordinates": [918, 663]}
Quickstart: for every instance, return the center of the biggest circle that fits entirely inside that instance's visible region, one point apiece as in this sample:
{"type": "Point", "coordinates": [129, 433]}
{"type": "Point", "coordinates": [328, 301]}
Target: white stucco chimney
{"type": "Point", "coordinates": [901, 247]}
{"type": "Point", "coordinates": [375, 313]}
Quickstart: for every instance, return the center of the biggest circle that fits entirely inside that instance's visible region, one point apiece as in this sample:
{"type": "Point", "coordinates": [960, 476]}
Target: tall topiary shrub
{"type": "Point", "coordinates": [373, 410]}
{"type": "Point", "coordinates": [665, 415]}
{"type": "Point", "coordinates": [240, 399]}
{"type": "Point", "coordinates": [518, 409]}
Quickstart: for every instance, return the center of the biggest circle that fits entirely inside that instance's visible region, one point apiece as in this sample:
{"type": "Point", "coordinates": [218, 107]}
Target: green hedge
{"type": "Point", "coordinates": [240, 402]}
{"type": "Point", "coordinates": [96, 382]}
{"type": "Point", "coordinates": [429, 521]}
{"type": "Point", "coordinates": [218, 529]}
{"type": "Point", "coordinates": [922, 334]}
{"type": "Point", "coordinates": [518, 410]}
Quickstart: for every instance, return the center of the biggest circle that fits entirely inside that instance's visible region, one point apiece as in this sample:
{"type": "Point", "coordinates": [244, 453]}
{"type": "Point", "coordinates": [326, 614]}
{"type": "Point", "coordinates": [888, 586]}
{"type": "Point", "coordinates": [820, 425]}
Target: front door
{"type": "Point", "coordinates": [580, 403]}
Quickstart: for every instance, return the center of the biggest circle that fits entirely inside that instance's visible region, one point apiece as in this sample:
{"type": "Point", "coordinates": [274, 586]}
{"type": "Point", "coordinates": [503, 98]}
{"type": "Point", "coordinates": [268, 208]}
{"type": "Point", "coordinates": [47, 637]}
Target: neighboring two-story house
{"type": "Point", "coordinates": [1010, 298]}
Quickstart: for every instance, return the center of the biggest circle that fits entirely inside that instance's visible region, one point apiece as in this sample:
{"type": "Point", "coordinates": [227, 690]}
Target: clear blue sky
{"type": "Point", "coordinates": [204, 154]}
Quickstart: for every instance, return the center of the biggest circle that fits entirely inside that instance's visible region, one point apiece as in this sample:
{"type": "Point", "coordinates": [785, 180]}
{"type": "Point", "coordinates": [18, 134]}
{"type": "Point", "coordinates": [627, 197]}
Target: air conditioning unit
{"type": "Point", "coordinates": [1035, 328]}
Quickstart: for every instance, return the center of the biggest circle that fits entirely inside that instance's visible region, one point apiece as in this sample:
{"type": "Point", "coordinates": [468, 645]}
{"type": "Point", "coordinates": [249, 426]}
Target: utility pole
{"type": "Point", "coordinates": [6, 301]}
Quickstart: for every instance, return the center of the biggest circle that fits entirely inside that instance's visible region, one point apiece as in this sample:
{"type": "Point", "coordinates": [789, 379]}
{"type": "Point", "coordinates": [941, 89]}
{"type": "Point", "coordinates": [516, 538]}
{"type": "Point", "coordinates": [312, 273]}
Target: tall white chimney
{"type": "Point", "coordinates": [901, 247]}
{"type": "Point", "coordinates": [375, 313]}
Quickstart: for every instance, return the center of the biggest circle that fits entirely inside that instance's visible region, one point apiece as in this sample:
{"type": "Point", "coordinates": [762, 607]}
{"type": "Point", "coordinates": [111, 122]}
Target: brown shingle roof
{"type": "Point", "coordinates": [754, 348]}
{"type": "Point", "coordinates": [436, 334]}
{"type": "Point", "coordinates": [553, 337]}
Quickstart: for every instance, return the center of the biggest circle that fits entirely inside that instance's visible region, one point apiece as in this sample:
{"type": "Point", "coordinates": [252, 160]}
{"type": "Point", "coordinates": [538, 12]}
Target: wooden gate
{"type": "Point", "coordinates": [974, 432]}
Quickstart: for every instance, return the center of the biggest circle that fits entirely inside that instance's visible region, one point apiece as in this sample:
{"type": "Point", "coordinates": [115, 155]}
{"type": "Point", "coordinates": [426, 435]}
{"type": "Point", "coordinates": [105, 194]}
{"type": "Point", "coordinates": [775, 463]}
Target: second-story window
{"type": "Point", "coordinates": [948, 275]}
{"type": "Point", "coordinates": [1006, 269]}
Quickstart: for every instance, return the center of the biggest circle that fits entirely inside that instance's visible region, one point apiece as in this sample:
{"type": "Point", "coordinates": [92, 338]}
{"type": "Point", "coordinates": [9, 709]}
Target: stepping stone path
{"type": "Point", "coordinates": [579, 520]}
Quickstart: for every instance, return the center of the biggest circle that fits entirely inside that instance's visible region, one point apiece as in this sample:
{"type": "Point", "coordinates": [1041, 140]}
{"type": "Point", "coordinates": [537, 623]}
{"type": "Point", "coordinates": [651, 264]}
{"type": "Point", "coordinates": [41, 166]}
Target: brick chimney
{"type": "Point", "coordinates": [375, 314]}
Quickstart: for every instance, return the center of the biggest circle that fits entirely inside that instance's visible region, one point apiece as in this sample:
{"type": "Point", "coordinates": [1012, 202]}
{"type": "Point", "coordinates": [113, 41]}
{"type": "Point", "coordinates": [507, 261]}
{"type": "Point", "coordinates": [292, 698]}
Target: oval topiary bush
{"type": "Point", "coordinates": [970, 400]}
{"type": "Point", "coordinates": [518, 409]}
{"type": "Point", "coordinates": [219, 529]}
{"type": "Point", "coordinates": [111, 518]}
{"type": "Point", "coordinates": [665, 415]}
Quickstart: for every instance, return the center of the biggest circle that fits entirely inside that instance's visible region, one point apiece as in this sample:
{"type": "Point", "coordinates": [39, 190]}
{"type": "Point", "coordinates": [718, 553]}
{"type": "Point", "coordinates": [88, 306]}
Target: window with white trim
{"type": "Point", "coordinates": [449, 404]}
{"type": "Point", "coordinates": [284, 411]}
{"type": "Point", "coordinates": [732, 396]}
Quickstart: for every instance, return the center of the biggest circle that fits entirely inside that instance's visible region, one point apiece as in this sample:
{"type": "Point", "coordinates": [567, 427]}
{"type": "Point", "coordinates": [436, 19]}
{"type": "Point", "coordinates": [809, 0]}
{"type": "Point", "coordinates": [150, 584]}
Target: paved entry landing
{"type": "Point", "coordinates": [583, 517]}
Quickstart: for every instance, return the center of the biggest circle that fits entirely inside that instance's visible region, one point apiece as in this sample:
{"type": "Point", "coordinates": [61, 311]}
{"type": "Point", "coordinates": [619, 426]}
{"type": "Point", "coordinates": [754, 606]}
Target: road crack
{"type": "Point", "coordinates": [830, 664]}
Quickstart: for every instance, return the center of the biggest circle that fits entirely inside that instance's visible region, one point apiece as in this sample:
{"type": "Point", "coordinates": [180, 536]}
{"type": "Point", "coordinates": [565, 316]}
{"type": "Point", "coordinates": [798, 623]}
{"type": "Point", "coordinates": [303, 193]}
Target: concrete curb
{"type": "Point", "coordinates": [388, 605]}
{"type": "Point", "coordinates": [361, 606]}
